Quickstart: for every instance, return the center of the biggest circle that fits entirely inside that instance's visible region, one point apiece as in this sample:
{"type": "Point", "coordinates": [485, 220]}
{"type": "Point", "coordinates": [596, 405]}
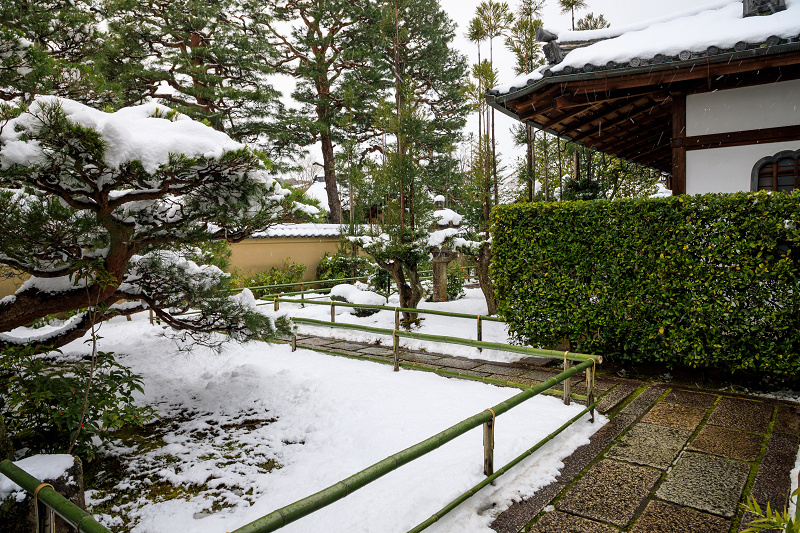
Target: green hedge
{"type": "Point", "coordinates": [702, 281]}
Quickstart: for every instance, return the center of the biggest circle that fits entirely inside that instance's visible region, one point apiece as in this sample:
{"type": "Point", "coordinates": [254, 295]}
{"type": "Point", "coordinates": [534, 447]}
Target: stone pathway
{"type": "Point", "coordinates": [672, 459]}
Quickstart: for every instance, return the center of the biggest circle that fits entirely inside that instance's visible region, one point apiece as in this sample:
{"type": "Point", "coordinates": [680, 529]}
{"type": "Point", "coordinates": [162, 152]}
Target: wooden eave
{"type": "Point", "coordinates": [627, 112]}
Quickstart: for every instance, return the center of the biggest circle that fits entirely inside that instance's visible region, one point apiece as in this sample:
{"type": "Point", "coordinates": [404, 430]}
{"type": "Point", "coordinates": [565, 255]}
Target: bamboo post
{"type": "Point", "coordinates": [396, 318]}
{"type": "Point", "coordinates": [488, 446]}
{"type": "Point", "coordinates": [151, 317]}
{"type": "Point", "coordinates": [396, 346]}
{"type": "Point", "coordinates": [590, 391]}
{"type": "Point", "coordinates": [277, 304]}
{"type": "Point", "coordinates": [567, 387]}
{"type": "Point", "coordinates": [480, 332]}
{"type": "Point", "coordinates": [294, 343]}
{"type": "Point", "coordinates": [333, 311]}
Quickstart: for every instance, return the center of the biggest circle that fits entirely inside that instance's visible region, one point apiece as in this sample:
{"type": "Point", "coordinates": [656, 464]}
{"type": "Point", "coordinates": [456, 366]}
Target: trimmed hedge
{"type": "Point", "coordinates": [701, 281]}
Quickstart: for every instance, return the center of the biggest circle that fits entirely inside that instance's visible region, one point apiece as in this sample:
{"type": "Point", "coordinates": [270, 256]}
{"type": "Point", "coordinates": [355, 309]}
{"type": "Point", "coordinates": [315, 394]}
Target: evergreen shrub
{"type": "Point", "coordinates": [702, 281]}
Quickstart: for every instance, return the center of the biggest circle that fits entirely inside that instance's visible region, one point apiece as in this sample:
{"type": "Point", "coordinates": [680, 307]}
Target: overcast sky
{"type": "Point", "coordinates": [617, 12]}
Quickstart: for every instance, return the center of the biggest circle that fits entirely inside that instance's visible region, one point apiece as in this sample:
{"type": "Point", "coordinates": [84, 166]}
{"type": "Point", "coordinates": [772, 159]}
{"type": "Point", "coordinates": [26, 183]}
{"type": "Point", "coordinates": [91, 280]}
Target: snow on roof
{"type": "Point", "coordinates": [711, 29]}
{"type": "Point", "coordinates": [287, 231]}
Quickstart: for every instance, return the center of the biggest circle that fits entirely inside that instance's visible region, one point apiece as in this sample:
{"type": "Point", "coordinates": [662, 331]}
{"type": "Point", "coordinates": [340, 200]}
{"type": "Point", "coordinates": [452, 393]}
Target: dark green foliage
{"type": "Point", "coordinates": [42, 401]}
{"type": "Point", "coordinates": [343, 264]}
{"type": "Point", "coordinates": [701, 281]}
{"type": "Point", "coordinates": [455, 283]}
{"type": "Point", "coordinates": [290, 272]}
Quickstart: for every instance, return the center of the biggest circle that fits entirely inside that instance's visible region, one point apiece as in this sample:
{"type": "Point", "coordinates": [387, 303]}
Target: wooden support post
{"type": "Point", "coordinates": [294, 342]}
{"type": "Point", "coordinates": [488, 447]}
{"type": "Point", "coordinates": [590, 391]}
{"type": "Point", "coordinates": [396, 346]}
{"type": "Point", "coordinates": [277, 305]}
{"type": "Point", "coordinates": [396, 318]}
{"type": "Point", "coordinates": [302, 295]}
{"type": "Point", "coordinates": [567, 387]}
{"type": "Point", "coordinates": [678, 143]}
{"type": "Point", "coordinates": [480, 332]}
{"type": "Point", "coordinates": [151, 317]}
{"type": "Point", "coordinates": [333, 311]}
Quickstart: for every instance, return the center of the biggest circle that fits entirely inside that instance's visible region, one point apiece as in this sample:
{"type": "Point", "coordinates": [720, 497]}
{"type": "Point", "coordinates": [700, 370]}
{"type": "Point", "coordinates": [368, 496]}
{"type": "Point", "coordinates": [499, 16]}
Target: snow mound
{"type": "Point", "coordinates": [354, 295]}
{"type": "Point", "coordinates": [445, 216]}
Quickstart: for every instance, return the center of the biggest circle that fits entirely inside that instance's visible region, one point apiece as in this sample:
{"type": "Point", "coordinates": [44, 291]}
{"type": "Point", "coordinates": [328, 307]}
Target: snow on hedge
{"type": "Point", "coordinates": [354, 295]}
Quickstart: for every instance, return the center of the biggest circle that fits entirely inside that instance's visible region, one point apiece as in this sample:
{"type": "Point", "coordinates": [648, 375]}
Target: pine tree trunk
{"type": "Point", "coordinates": [329, 165]}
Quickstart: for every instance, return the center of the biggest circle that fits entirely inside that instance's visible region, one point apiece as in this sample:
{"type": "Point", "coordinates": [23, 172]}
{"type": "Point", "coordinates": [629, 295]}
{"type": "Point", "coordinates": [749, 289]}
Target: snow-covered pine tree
{"type": "Point", "coordinates": [423, 113]}
{"type": "Point", "coordinates": [104, 212]}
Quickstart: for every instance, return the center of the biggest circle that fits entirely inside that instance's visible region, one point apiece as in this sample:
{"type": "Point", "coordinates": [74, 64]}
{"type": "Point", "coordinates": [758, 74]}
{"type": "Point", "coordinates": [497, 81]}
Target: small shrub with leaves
{"type": "Point", "coordinates": [455, 283]}
{"type": "Point", "coordinates": [343, 264]}
{"type": "Point", "coordinates": [42, 401]}
{"type": "Point", "coordinates": [290, 272]}
{"type": "Point", "coordinates": [380, 282]}
{"type": "Point", "coordinates": [771, 520]}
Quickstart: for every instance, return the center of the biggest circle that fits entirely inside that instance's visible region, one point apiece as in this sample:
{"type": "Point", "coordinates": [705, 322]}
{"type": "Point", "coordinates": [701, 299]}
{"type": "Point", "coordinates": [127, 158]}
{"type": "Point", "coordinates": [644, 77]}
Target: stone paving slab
{"type": "Point", "coordinates": [747, 415]}
{"type": "Point", "coordinates": [610, 492]}
{"type": "Point", "coordinates": [772, 484]}
{"type": "Point", "coordinates": [465, 364]}
{"type": "Point", "coordinates": [422, 358]}
{"type": "Point", "coordinates": [707, 483]}
{"type": "Point", "coordinates": [557, 522]}
{"type": "Point", "coordinates": [500, 369]}
{"type": "Point", "coordinates": [315, 341]}
{"type": "Point", "coordinates": [377, 351]}
{"type": "Point", "coordinates": [643, 401]}
{"type": "Point", "coordinates": [650, 445]}
{"type": "Point", "coordinates": [616, 396]}
{"type": "Point", "coordinates": [691, 398]}
{"type": "Point", "coordinates": [675, 415]}
{"type": "Point", "coordinates": [662, 517]}
{"type": "Point", "coordinates": [730, 443]}
{"type": "Point", "coordinates": [788, 420]}
{"type": "Point", "coordinates": [349, 346]}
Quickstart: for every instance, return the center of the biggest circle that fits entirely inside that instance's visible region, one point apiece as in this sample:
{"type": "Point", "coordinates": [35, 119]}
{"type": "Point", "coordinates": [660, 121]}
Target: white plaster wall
{"type": "Point", "coordinates": [727, 169]}
{"type": "Point", "coordinates": [747, 108]}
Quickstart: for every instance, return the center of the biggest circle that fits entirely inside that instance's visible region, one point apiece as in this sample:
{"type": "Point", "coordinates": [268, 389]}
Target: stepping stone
{"type": "Point", "coordinates": [502, 370]}
{"type": "Point", "coordinates": [451, 362]}
{"type": "Point", "coordinates": [728, 443]}
{"type": "Point", "coordinates": [377, 351]}
{"type": "Point", "coordinates": [650, 445]}
{"type": "Point", "coordinates": [706, 482]}
{"type": "Point", "coordinates": [422, 358]}
{"type": "Point", "coordinates": [350, 346]}
{"type": "Point", "coordinates": [644, 401]}
{"type": "Point", "coordinates": [675, 415]}
{"type": "Point", "coordinates": [788, 420]}
{"type": "Point", "coordinates": [691, 398]}
{"type": "Point", "coordinates": [315, 341]}
{"type": "Point", "coordinates": [556, 522]}
{"type": "Point", "coordinates": [661, 517]}
{"type": "Point", "coordinates": [616, 396]}
{"type": "Point", "coordinates": [746, 415]}
{"type": "Point", "coordinates": [610, 492]}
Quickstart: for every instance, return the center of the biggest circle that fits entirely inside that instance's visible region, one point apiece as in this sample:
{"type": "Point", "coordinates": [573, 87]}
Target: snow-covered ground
{"type": "Point", "coordinates": [258, 427]}
{"type": "Point", "coordinates": [472, 303]}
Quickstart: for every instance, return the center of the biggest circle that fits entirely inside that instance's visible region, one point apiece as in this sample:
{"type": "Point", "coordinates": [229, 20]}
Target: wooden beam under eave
{"type": "Point", "coordinates": [610, 124]}
{"type": "Point", "coordinates": [678, 146]}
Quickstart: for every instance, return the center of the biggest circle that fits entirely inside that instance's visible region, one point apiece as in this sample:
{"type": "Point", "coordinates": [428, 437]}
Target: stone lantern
{"type": "Point", "coordinates": [442, 256]}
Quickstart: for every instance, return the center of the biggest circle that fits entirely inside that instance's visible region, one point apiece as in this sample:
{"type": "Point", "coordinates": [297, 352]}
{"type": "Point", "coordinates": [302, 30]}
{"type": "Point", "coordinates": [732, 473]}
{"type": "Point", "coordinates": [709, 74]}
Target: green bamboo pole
{"type": "Point", "coordinates": [483, 318]}
{"type": "Point", "coordinates": [71, 513]}
{"type": "Point", "coordinates": [474, 490]}
{"type": "Point", "coordinates": [294, 511]}
{"type": "Point", "coordinates": [290, 285]}
{"type": "Point", "coordinates": [536, 352]}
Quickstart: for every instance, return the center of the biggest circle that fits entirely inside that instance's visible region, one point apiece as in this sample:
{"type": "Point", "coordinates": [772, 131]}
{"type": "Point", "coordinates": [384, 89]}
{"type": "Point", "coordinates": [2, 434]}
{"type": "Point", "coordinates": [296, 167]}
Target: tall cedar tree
{"type": "Point", "coordinates": [93, 225]}
{"type": "Point", "coordinates": [322, 45]}
{"type": "Point", "coordinates": [424, 114]}
{"type": "Point", "coordinates": [206, 60]}
{"type": "Point", "coordinates": [51, 47]}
